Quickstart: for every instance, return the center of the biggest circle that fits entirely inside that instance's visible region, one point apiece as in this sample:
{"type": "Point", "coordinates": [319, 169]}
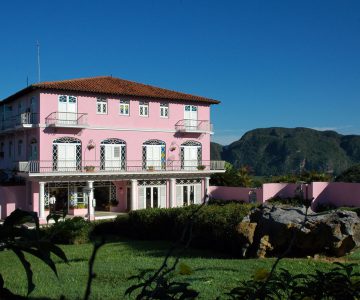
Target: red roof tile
{"type": "Point", "coordinates": [119, 87]}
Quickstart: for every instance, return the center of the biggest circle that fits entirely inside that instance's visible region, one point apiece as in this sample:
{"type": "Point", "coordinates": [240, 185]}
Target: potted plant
{"type": "Point", "coordinates": [172, 148]}
{"type": "Point", "coordinates": [114, 203]}
{"type": "Point", "coordinates": [150, 168]}
{"type": "Point", "coordinates": [90, 146]}
{"type": "Point", "coordinates": [89, 168]}
{"type": "Point", "coordinates": [201, 167]}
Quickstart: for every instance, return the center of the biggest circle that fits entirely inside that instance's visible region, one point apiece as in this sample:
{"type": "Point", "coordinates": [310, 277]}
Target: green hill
{"type": "Point", "coordinates": [276, 151]}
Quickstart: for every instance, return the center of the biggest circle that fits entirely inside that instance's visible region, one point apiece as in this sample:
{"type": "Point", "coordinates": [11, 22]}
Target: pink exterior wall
{"type": "Point", "coordinates": [12, 197]}
{"type": "Point", "coordinates": [135, 130]}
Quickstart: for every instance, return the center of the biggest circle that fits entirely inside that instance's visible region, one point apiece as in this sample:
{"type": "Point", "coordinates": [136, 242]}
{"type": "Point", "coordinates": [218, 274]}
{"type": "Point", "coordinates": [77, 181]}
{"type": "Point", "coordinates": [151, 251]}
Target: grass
{"type": "Point", "coordinates": [213, 275]}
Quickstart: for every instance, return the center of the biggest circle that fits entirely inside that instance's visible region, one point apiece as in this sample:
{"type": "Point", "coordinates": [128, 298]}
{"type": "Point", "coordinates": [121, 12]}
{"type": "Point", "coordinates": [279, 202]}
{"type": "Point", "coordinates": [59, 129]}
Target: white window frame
{"type": "Point", "coordinates": [164, 110]}
{"type": "Point", "coordinates": [101, 103]}
{"type": "Point", "coordinates": [144, 106]}
{"type": "Point", "coordinates": [162, 196]}
{"type": "Point", "coordinates": [124, 103]}
{"type": "Point", "coordinates": [180, 191]}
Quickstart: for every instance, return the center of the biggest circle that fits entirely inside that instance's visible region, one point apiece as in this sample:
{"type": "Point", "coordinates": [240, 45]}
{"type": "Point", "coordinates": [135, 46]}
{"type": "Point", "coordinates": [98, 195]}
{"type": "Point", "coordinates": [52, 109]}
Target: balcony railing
{"type": "Point", "coordinates": [66, 119]}
{"type": "Point", "coordinates": [187, 125]}
{"type": "Point", "coordinates": [118, 166]}
{"type": "Point", "coordinates": [26, 118]}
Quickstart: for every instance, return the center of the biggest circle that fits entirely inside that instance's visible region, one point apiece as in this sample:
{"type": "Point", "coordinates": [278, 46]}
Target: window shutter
{"type": "Point", "coordinates": [163, 196]}
{"type": "Point", "coordinates": [198, 199]}
{"type": "Point", "coordinates": [141, 197]}
{"type": "Point", "coordinates": [179, 200]}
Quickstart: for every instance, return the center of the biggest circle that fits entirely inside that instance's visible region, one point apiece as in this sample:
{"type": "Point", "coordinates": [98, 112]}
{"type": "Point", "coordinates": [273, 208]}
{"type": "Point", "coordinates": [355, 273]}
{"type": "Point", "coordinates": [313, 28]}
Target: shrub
{"type": "Point", "coordinates": [71, 231]}
{"type": "Point", "coordinates": [213, 201]}
{"type": "Point", "coordinates": [295, 201]}
{"type": "Point", "coordinates": [214, 226]}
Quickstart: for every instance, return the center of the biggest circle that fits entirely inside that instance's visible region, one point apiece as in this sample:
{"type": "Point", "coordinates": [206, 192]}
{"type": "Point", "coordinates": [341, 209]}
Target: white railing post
{"type": "Point", "coordinates": [134, 185]}
{"type": "Point", "coordinates": [172, 198]}
{"type": "Point", "coordinates": [42, 200]}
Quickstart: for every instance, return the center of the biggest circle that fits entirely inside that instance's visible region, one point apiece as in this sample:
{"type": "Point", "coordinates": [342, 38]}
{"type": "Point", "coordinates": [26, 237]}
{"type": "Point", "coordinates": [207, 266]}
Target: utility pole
{"type": "Point", "coordinates": [38, 59]}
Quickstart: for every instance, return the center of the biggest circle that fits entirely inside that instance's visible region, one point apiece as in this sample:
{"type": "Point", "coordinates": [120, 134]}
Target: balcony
{"type": "Point", "coordinates": [66, 120]}
{"type": "Point", "coordinates": [23, 120]}
{"type": "Point", "coordinates": [194, 126]}
{"type": "Point", "coordinates": [118, 167]}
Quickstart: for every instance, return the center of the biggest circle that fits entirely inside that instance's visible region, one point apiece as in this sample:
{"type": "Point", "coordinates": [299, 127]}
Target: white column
{"type": "Point", "coordinates": [172, 192]}
{"type": "Point", "coordinates": [134, 185]}
{"type": "Point", "coordinates": [90, 191]}
{"type": "Point", "coordinates": [41, 200]}
{"type": "Point", "coordinates": [206, 186]}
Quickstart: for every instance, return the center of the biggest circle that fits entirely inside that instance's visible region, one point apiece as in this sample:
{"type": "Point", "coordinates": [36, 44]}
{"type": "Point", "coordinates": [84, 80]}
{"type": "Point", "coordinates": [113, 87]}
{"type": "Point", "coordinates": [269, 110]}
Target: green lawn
{"type": "Point", "coordinates": [115, 262]}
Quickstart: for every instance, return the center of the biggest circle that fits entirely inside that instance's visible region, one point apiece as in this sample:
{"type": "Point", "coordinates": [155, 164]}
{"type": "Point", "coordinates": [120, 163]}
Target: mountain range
{"type": "Point", "coordinates": [279, 151]}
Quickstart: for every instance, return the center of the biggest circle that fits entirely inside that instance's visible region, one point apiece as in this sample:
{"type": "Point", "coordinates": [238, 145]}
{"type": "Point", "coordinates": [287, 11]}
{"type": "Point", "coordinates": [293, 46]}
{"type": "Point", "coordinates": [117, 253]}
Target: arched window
{"type": "Point", "coordinates": [190, 155]}
{"type": "Point", "coordinates": [112, 154]}
{"type": "Point", "coordinates": [66, 154]}
{"type": "Point", "coordinates": [154, 155]}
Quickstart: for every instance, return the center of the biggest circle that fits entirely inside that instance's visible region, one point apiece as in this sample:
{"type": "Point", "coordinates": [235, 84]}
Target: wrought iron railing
{"type": "Point", "coordinates": [69, 166]}
{"type": "Point", "coordinates": [66, 119]}
{"type": "Point", "coordinates": [188, 125]}
{"type": "Point", "coordinates": [26, 118]}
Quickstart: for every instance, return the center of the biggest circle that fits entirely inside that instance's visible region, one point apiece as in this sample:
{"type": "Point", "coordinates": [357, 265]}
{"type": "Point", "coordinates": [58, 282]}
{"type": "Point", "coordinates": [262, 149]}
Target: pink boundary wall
{"type": "Point", "coordinates": [329, 193]}
{"type": "Point", "coordinates": [233, 193]}
{"type": "Point", "coordinates": [9, 199]}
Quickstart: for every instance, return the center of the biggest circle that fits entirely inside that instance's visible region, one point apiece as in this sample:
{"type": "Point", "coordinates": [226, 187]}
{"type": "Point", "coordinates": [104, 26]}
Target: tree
{"type": "Point", "coordinates": [350, 175]}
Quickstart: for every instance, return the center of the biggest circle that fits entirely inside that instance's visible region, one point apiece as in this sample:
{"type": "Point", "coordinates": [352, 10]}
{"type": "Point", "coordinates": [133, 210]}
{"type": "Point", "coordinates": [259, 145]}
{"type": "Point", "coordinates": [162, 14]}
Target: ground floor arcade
{"type": "Point", "coordinates": [85, 197]}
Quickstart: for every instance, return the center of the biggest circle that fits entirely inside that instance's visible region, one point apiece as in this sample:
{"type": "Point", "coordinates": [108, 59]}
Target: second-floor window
{"type": "Point", "coordinates": [101, 106]}
{"type": "Point", "coordinates": [20, 146]}
{"type": "Point", "coordinates": [164, 110]}
{"type": "Point", "coordinates": [124, 107]}
{"type": "Point", "coordinates": [144, 109]}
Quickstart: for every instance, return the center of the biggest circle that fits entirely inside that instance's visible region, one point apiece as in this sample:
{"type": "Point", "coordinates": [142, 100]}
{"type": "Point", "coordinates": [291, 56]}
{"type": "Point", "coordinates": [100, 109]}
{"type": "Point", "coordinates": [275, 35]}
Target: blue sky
{"type": "Point", "coordinates": [271, 63]}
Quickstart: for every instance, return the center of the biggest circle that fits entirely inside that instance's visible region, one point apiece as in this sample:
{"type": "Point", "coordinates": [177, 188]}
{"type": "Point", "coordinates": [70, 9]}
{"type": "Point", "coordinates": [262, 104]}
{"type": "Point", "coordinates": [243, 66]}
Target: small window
{"type": "Point", "coordinates": [164, 110]}
{"type": "Point", "coordinates": [19, 108]}
{"type": "Point", "coordinates": [124, 107]}
{"type": "Point", "coordinates": [62, 98]}
{"type": "Point", "coordinates": [20, 146]}
{"type": "Point", "coordinates": [101, 106]}
{"type": "Point", "coordinates": [144, 109]}
{"type": "Point", "coordinates": [10, 149]}
{"type": "Point", "coordinates": [72, 99]}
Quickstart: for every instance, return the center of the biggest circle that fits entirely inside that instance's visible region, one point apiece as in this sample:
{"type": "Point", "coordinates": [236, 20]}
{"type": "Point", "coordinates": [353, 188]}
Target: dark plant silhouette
{"type": "Point", "coordinates": [21, 240]}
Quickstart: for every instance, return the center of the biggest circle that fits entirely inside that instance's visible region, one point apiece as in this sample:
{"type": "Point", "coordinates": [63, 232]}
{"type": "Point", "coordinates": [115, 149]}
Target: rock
{"type": "Point", "coordinates": [269, 230]}
{"type": "Point", "coordinates": [246, 231]}
{"type": "Point", "coordinates": [264, 246]}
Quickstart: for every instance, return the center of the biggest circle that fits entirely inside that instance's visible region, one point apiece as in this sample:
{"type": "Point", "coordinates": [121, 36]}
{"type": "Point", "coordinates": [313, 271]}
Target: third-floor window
{"type": "Point", "coordinates": [124, 107]}
{"type": "Point", "coordinates": [164, 110]}
{"type": "Point", "coordinates": [101, 106]}
{"type": "Point", "coordinates": [143, 109]}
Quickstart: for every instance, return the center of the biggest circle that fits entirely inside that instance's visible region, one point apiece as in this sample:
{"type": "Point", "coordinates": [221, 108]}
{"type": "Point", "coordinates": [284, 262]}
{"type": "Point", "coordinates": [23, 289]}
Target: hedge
{"type": "Point", "coordinates": [214, 225]}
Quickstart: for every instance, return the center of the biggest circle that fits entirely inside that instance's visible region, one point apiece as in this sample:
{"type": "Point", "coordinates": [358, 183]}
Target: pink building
{"type": "Point", "coordinates": [106, 144]}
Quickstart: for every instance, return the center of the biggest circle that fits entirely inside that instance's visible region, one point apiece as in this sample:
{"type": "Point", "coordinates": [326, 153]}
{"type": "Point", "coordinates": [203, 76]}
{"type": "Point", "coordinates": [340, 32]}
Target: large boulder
{"type": "Point", "coordinates": [270, 230]}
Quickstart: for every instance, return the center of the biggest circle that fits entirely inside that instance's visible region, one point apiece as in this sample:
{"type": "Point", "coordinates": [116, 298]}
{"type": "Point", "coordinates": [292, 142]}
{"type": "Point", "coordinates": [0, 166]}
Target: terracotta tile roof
{"type": "Point", "coordinates": [118, 87]}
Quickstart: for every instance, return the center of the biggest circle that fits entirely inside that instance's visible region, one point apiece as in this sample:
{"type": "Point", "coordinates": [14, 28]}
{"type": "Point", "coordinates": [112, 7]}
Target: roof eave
{"type": "Point", "coordinates": [34, 87]}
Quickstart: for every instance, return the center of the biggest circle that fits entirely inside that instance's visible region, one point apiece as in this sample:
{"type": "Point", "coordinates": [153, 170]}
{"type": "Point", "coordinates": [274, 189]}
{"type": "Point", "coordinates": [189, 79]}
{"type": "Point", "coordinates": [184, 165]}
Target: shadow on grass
{"type": "Point", "coordinates": [160, 249]}
{"type": "Point", "coordinates": [74, 260]}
